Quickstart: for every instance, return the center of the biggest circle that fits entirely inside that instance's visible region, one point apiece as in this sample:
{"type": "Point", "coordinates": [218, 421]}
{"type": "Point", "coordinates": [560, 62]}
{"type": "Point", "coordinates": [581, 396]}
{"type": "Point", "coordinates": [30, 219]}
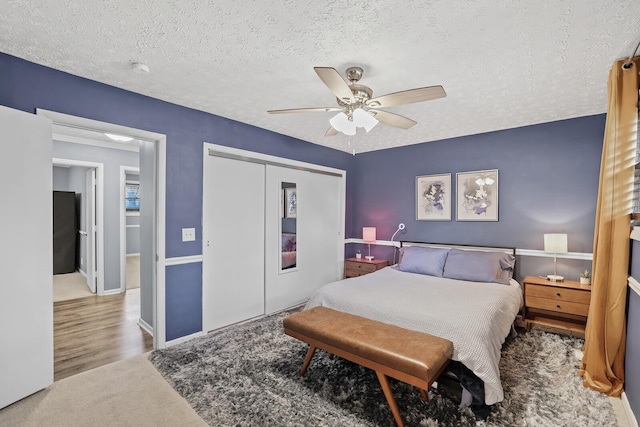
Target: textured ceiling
{"type": "Point", "coordinates": [503, 64]}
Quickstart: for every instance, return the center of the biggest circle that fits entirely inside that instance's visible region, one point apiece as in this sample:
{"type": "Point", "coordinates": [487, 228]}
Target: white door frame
{"type": "Point", "coordinates": [124, 170]}
{"type": "Point", "coordinates": [99, 167]}
{"type": "Point", "coordinates": [160, 140]}
{"type": "Point", "coordinates": [92, 225]}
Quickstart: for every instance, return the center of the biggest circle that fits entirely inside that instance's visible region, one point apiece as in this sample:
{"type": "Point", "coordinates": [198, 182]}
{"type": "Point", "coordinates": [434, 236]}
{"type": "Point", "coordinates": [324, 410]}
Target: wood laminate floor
{"type": "Point", "coordinates": [94, 331]}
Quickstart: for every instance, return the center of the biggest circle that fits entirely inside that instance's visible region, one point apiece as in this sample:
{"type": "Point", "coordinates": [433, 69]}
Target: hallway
{"type": "Point", "coordinates": [94, 331]}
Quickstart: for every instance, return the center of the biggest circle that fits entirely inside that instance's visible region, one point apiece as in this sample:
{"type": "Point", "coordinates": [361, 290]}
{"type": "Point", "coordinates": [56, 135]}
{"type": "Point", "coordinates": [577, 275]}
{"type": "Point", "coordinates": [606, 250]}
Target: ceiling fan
{"type": "Point", "coordinates": [356, 106]}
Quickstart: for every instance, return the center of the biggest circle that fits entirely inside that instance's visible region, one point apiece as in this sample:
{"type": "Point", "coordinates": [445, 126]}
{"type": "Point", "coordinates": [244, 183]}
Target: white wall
{"type": "Point", "coordinates": [60, 178]}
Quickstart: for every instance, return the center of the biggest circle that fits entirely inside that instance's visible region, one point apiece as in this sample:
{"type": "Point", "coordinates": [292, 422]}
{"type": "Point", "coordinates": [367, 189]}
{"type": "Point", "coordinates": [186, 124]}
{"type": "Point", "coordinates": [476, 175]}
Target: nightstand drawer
{"type": "Point", "coordinates": [362, 267]}
{"type": "Point", "coordinates": [557, 305]}
{"type": "Point", "coordinates": [560, 294]}
{"type": "Point", "coordinates": [355, 267]}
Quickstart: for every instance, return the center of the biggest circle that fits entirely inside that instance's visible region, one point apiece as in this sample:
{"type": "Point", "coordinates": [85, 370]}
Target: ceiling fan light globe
{"type": "Point", "coordinates": [350, 129]}
{"type": "Point", "coordinates": [340, 121]}
{"type": "Point", "coordinates": [363, 119]}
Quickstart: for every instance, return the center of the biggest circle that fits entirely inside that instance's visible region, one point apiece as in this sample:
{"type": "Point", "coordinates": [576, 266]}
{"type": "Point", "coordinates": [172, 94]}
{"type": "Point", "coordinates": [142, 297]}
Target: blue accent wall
{"type": "Point", "coordinates": [184, 290]}
{"type": "Point", "coordinates": [548, 183]}
{"type": "Point", "coordinates": [632, 373]}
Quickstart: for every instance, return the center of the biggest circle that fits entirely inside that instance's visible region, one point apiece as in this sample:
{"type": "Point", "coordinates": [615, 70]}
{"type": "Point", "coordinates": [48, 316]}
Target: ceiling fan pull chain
{"type": "Point", "coordinates": [352, 143]}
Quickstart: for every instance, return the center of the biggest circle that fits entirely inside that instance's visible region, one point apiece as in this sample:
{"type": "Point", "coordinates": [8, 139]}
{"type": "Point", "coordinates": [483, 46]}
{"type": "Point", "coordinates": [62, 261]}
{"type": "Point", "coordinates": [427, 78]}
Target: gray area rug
{"type": "Point", "coordinates": [249, 376]}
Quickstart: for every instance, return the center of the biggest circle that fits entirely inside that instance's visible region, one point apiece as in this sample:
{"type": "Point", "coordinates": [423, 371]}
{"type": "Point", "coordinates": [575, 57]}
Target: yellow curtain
{"type": "Point", "coordinates": [605, 336]}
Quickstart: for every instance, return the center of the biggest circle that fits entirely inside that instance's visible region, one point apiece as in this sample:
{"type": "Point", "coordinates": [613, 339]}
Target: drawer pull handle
{"type": "Point", "coordinates": [558, 294]}
{"type": "Point", "coordinates": [557, 306]}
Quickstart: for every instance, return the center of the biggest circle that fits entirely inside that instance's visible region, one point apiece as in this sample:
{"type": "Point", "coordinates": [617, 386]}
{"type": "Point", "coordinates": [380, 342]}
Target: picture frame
{"type": "Point", "coordinates": [433, 197]}
{"type": "Point", "coordinates": [282, 209]}
{"type": "Point", "coordinates": [290, 203]}
{"type": "Point", "coordinates": [477, 195]}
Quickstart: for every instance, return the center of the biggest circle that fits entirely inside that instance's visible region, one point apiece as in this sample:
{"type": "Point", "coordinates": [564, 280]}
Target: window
{"type": "Point", "coordinates": [132, 197]}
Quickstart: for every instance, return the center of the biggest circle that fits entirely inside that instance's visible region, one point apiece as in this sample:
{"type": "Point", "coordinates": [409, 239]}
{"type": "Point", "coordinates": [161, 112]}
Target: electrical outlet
{"type": "Point", "coordinates": [188, 234]}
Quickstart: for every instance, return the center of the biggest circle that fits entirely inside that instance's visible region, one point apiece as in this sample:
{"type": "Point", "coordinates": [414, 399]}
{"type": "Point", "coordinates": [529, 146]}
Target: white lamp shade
{"type": "Point", "coordinates": [341, 123]}
{"type": "Point", "coordinates": [555, 243]}
{"type": "Point", "coordinates": [362, 119]}
{"type": "Point", "coordinates": [369, 234]}
{"type": "Point", "coordinates": [349, 129]}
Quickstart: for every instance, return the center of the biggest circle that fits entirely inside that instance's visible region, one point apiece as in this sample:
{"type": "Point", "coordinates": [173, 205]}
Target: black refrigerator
{"type": "Point", "coordinates": [65, 232]}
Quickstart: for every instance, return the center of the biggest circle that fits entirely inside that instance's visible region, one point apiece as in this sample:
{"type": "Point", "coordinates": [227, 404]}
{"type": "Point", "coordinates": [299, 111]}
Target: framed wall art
{"type": "Point", "coordinates": [477, 195]}
{"type": "Point", "coordinates": [290, 203]}
{"type": "Point", "coordinates": [433, 197]}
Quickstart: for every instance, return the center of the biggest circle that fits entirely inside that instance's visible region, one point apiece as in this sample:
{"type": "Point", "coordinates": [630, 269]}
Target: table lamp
{"type": "Point", "coordinates": [555, 244]}
{"type": "Point", "coordinates": [369, 236]}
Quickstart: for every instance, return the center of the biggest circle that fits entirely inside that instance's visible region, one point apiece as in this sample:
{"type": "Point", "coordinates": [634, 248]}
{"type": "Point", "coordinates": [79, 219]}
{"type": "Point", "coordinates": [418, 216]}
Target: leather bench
{"type": "Point", "coordinates": [413, 357]}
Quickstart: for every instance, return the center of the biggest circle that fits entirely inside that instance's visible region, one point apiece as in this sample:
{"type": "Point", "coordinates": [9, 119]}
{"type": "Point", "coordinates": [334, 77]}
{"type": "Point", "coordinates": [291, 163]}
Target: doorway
{"type": "Point", "coordinates": [152, 169]}
{"type": "Point", "coordinates": [90, 213]}
{"type": "Point", "coordinates": [130, 200]}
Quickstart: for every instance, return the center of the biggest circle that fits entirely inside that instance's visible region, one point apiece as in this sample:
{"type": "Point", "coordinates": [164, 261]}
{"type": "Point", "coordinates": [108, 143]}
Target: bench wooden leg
{"type": "Point", "coordinates": [424, 396]}
{"type": "Point", "coordinates": [384, 382]}
{"type": "Point", "coordinates": [307, 360]}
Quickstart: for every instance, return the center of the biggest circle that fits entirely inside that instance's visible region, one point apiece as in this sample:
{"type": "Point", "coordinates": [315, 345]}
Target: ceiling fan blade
{"type": "Point", "coordinates": [331, 132]}
{"type": "Point", "coordinates": [392, 119]}
{"type": "Point", "coordinates": [335, 83]}
{"type": "Point", "coordinates": [408, 96]}
{"type": "Point", "coordinates": [305, 110]}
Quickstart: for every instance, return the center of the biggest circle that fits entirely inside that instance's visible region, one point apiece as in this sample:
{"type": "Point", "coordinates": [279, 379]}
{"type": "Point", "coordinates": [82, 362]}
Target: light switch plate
{"type": "Point", "coordinates": [188, 234]}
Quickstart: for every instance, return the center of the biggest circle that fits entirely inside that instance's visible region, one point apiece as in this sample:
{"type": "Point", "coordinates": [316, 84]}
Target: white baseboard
{"type": "Point", "coordinates": [184, 339]}
{"type": "Point", "coordinates": [627, 409]}
{"type": "Point", "coordinates": [634, 285]}
{"type": "Point", "coordinates": [82, 272]}
{"type": "Point", "coordinates": [145, 326]}
{"type": "Point", "coordinates": [138, 254]}
{"type": "Point", "coordinates": [112, 291]}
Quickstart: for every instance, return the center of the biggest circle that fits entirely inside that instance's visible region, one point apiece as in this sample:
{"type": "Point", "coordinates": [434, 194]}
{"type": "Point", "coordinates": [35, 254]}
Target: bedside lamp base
{"type": "Point", "coordinates": [369, 257]}
{"type": "Point", "coordinates": [555, 278]}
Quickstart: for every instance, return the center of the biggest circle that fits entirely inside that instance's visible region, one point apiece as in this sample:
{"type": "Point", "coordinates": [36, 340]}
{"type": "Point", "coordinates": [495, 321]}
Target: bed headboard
{"type": "Point", "coordinates": [511, 251]}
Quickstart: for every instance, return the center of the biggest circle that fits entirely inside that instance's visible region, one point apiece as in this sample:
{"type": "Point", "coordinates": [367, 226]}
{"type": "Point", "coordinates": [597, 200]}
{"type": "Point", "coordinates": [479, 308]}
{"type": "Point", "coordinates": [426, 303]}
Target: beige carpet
{"type": "Point", "coordinates": [70, 286]}
{"type": "Point", "coordinates": [127, 393]}
{"type": "Point", "coordinates": [74, 285]}
{"type": "Point", "coordinates": [133, 272]}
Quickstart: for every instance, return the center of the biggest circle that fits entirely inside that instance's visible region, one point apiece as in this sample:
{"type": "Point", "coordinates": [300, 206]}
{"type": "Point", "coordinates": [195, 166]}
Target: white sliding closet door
{"type": "Point", "coordinates": [321, 213]}
{"type": "Point", "coordinates": [319, 240]}
{"type": "Point", "coordinates": [233, 241]}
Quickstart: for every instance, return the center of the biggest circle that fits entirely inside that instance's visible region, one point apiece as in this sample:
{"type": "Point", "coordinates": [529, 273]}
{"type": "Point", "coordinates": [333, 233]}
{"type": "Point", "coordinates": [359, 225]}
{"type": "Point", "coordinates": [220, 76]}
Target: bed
{"type": "Point", "coordinates": [464, 294]}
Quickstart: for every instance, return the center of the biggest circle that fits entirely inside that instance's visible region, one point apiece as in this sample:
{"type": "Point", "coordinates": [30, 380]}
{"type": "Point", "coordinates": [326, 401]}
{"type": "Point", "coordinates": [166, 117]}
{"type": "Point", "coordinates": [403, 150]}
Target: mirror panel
{"type": "Point", "coordinates": [288, 226]}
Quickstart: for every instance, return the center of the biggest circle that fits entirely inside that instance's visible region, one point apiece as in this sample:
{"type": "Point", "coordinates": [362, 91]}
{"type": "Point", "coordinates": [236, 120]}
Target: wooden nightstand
{"type": "Point", "coordinates": [562, 305]}
{"type": "Point", "coordinates": [354, 267]}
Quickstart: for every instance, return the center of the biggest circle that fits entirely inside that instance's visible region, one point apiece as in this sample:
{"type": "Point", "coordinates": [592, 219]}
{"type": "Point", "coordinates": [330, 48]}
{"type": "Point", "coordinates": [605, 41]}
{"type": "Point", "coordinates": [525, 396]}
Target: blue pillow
{"type": "Point", "coordinates": [479, 266]}
{"type": "Point", "coordinates": [421, 260]}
